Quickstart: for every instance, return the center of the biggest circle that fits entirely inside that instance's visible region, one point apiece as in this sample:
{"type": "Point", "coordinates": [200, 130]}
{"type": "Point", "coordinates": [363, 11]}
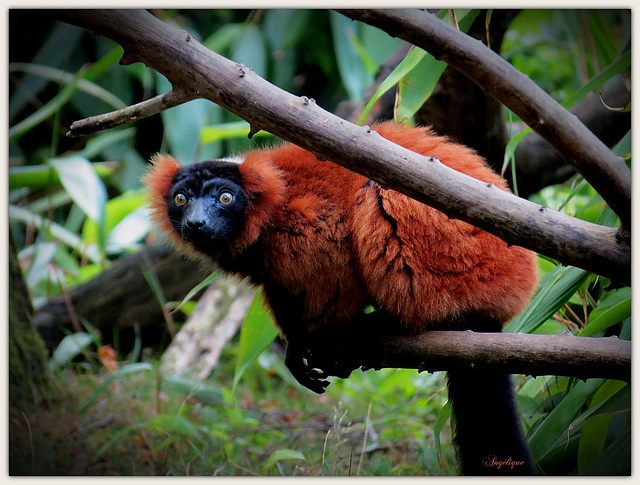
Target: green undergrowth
{"type": "Point", "coordinates": [137, 422]}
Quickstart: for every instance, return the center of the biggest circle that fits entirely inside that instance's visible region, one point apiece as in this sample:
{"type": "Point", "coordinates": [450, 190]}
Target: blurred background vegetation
{"type": "Point", "coordinates": [77, 208]}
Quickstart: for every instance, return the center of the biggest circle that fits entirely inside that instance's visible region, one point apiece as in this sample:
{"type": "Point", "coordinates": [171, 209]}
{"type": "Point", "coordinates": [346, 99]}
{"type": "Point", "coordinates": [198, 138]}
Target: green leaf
{"type": "Point", "coordinates": [553, 430]}
{"type": "Point", "coordinates": [593, 435]}
{"type": "Point", "coordinates": [592, 440]}
{"type": "Point", "coordinates": [85, 188]}
{"type": "Point", "coordinates": [44, 253]}
{"type": "Point", "coordinates": [206, 282]}
{"type": "Point", "coordinates": [195, 390]}
{"type": "Point", "coordinates": [69, 348]}
{"type": "Point", "coordinates": [222, 39]}
{"type": "Point", "coordinates": [51, 54]}
{"type": "Point", "coordinates": [416, 87]}
{"type": "Point", "coordinates": [123, 371]}
{"type": "Point", "coordinates": [226, 131]}
{"type": "Point", "coordinates": [615, 460]}
{"type": "Point", "coordinates": [126, 222]}
{"type": "Point", "coordinates": [44, 176]}
{"type": "Point", "coordinates": [257, 332]}
{"type": "Point", "coordinates": [441, 420]}
{"type": "Point", "coordinates": [555, 289]}
{"type": "Point", "coordinates": [284, 27]}
{"type": "Point", "coordinates": [410, 61]}
{"type": "Point", "coordinates": [183, 124]}
{"type": "Point", "coordinates": [284, 454]}
{"type": "Point", "coordinates": [249, 49]}
{"type": "Point", "coordinates": [55, 230]}
{"type": "Point", "coordinates": [173, 423]}
{"type": "Point", "coordinates": [620, 64]}
{"type": "Point", "coordinates": [612, 309]}
{"type": "Point", "coordinates": [353, 72]}
{"type": "Point", "coordinates": [49, 109]}
{"type": "Point", "coordinates": [62, 77]}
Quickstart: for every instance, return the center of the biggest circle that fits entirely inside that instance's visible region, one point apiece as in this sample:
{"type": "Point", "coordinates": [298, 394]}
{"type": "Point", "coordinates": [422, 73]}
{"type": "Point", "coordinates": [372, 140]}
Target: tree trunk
{"type": "Point", "coordinates": [28, 373]}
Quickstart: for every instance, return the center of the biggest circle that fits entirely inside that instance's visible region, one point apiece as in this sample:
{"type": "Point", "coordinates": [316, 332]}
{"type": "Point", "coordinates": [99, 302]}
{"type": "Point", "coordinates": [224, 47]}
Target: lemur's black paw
{"type": "Point", "coordinates": [310, 377]}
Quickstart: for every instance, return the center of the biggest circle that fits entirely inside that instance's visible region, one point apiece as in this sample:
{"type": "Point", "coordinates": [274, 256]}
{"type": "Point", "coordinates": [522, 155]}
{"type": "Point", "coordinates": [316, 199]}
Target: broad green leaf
{"type": "Point", "coordinates": [257, 332]}
{"type": "Point", "coordinates": [353, 72]}
{"type": "Point", "coordinates": [592, 440]}
{"type": "Point", "coordinates": [284, 27]}
{"type": "Point", "coordinates": [129, 231]}
{"type": "Point", "coordinates": [45, 176]}
{"type": "Point", "coordinates": [44, 253]}
{"type": "Point", "coordinates": [416, 87]}
{"type": "Point", "coordinates": [555, 289]}
{"type": "Point", "coordinates": [173, 423]}
{"type": "Point", "coordinates": [249, 49]}
{"type": "Point", "coordinates": [225, 131]}
{"type": "Point", "coordinates": [441, 420]}
{"type": "Point", "coordinates": [284, 454]}
{"type": "Point", "coordinates": [410, 61]}
{"type": "Point", "coordinates": [553, 431]}
{"type": "Point", "coordinates": [594, 429]}
{"type": "Point", "coordinates": [612, 309]}
{"type": "Point", "coordinates": [126, 222]}
{"type": "Point", "coordinates": [80, 180]}
{"type": "Point", "coordinates": [615, 460]}
{"type": "Point", "coordinates": [222, 39]}
{"type": "Point", "coordinates": [183, 124]}
{"type": "Point", "coordinates": [69, 347]}
{"type": "Point", "coordinates": [56, 231]}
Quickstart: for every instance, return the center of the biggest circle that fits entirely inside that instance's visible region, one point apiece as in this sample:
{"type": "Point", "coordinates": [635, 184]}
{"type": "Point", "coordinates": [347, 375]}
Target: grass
{"type": "Point", "coordinates": [141, 423]}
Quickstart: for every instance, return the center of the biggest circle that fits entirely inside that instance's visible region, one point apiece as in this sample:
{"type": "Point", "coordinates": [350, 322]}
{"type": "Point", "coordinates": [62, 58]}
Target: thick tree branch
{"type": "Point", "coordinates": [605, 171]}
{"type": "Point", "coordinates": [188, 64]}
{"type": "Point", "coordinates": [529, 354]}
{"type": "Point", "coordinates": [100, 302]}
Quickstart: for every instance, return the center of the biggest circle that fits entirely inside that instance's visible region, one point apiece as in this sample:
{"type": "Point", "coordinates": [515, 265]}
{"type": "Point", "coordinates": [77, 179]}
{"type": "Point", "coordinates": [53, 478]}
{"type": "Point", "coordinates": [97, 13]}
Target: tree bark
{"type": "Point", "coordinates": [606, 172]}
{"type": "Point", "coordinates": [191, 67]}
{"type": "Point", "coordinates": [529, 354]}
{"type": "Point", "coordinates": [29, 379]}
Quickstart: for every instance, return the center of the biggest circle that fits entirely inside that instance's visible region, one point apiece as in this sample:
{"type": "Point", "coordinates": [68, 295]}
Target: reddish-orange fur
{"type": "Point", "coordinates": [325, 234]}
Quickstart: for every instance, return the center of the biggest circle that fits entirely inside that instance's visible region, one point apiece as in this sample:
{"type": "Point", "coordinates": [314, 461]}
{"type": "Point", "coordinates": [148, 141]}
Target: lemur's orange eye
{"type": "Point", "coordinates": [180, 199]}
{"type": "Point", "coordinates": [225, 198]}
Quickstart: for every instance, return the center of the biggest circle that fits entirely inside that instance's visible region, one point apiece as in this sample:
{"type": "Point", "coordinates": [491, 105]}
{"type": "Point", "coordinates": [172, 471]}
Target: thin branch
{"type": "Point", "coordinates": [130, 114]}
{"type": "Point", "coordinates": [188, 64]}
{"type": "Point", "coordinates": [529, 354]}
{"type": "Point", "coordinates": [605, 171]}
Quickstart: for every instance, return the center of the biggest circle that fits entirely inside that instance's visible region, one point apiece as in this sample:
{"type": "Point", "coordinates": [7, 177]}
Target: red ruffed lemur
{"type": "Point", "coordinates": [326, 243]}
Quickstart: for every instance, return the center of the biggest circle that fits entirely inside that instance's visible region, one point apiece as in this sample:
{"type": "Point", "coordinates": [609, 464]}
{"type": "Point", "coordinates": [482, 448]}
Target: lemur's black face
{"type": "Point", "coordinates": [207, 203]}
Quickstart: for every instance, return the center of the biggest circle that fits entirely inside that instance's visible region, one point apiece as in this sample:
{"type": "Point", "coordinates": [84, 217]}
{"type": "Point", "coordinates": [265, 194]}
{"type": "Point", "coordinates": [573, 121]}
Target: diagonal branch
{"type": "Point", "coordinates": [605, 171]}
{"type": "Point", "coordinates": [188, 64]}
{"type": "Point", "coordinates": [129, 114]}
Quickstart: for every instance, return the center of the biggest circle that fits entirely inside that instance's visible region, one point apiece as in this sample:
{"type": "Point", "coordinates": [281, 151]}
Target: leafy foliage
{"type": "Point", "coordinates": [77, 205]}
